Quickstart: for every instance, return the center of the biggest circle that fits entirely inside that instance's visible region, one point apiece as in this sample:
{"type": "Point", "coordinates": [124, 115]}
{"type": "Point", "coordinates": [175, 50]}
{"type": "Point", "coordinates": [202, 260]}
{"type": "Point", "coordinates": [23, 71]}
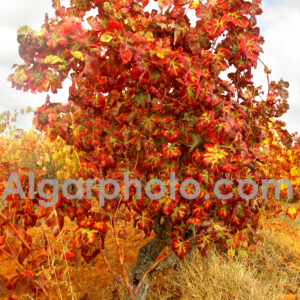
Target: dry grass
{"type": "Point", "coordinates": [270, 273]}
{"type": "Point", "coordinates": [219, 278]}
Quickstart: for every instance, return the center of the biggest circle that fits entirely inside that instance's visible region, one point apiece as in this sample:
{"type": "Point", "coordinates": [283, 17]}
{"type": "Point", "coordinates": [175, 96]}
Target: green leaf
{"type": "Point", "coordinates": [231, 252]}
{"type": "Point", "coordinates": [243, 253]}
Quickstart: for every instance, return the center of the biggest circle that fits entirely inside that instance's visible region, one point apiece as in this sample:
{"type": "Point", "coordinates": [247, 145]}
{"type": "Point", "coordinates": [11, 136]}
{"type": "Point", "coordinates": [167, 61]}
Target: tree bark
{"type": "Point", "coordinates": [147, 258]}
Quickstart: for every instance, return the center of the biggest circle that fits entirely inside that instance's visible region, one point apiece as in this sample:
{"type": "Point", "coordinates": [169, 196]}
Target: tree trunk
{"type": "Point", "coordinates": [147, 257]}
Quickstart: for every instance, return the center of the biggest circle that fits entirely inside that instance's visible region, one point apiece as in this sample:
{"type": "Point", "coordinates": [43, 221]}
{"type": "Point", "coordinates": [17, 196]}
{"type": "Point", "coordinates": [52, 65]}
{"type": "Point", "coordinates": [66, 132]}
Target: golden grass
{"type": "Point", "coordinates": [270, 273]}
{"type": "Point", "coordinates": [219, 278]}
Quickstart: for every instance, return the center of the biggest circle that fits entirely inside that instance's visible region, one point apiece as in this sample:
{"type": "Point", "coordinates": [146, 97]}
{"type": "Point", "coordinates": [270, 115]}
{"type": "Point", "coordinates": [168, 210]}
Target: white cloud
{"type": "Point", "coordinates": [279, 23]}
{"type": "Point", "coordinates": [16, 13]}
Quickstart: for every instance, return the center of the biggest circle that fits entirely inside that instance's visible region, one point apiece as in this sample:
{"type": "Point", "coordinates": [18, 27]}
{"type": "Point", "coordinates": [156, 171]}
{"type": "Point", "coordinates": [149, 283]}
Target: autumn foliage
{"type": "Point", "coordinates": [148, 97]}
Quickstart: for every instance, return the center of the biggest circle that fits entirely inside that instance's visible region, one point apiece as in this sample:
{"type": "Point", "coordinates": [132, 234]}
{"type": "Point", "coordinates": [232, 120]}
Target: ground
{"type": "Point", "coordinates": [271, 272]}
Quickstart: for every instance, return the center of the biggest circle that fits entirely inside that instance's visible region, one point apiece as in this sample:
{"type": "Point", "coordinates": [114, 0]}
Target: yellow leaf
{"type": "Point", "coordinates": [161, 54]}
{"type": "Point", "coordinates": [149, 37]}
{"type": "Point", "coordinates": [53, 59]}
{"type": "Point", "coordinates": [231, 252]}
{"type": "Point", "coordinates": [292, 212]}
{"type": "Point", "coordinates": [78, 55]}
{"type": "Point", "coordinates": [214, 154]}
{"type": "Point", "coordinates": [106, 38]}
{"type": "Point", "coordinates": [67, 148]}
{"type": "Point", "coordinates": [41, 32]}
{"type": "Point", "coordinates": [195, 4]}
{"type": "Point", "coordinates": [68, 161]}
{"type": "Point", "coordinates": [20, 76]}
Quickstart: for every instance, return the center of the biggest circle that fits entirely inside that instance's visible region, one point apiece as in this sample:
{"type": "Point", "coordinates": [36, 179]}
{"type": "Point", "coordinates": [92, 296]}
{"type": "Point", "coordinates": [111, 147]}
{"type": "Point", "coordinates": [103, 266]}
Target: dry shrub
{"type": "Point", "coordinates": [219, 278]}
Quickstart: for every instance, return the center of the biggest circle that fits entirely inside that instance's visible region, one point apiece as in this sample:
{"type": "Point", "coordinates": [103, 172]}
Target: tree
{"type": "Point", "coordinates": [148, 97]}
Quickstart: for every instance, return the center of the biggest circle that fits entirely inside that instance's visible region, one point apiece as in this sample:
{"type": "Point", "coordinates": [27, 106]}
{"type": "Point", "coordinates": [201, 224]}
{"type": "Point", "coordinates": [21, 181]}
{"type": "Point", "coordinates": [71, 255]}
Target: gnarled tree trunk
{"type": "Point", "coordinates": [147, 257]}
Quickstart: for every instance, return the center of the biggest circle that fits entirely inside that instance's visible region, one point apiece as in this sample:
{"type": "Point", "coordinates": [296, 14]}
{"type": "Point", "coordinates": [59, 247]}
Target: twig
{"type": "Point", "coordinates": [149, 270]}
{"type": "Point", "coordinates": [109, 265]}
{"type": "Point", "coordinates": [121, 258]}
{"type": "Point", "coordinates": [18, 235]}
{"type": "Point", "coordinates": [51, 258]}
{"type": "Point", "coordinates": [66, 262]}
{"type": "Point", "coordinates": [22, 267]}
{"type": "Point", "coordinates": [137, 159]}
{"type": "Point", "coordinates": [268, 77]}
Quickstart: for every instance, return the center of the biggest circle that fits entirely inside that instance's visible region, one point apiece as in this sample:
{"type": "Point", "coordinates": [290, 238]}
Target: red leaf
{"type": "Point", "coordinates": [176, 66]}
{"type": "Point", "coordinates": [215, 27]}
{"type": "Point", "coordinates": [164, 3]}
{"type": "Point", "coordinates": [203, 241]}
{"type": "Point", "coordinates": [250, 47]}
{"type": "Point", "coordinates": [171, 151]}
{"type": "Point", "coordinates": [180, 248]}
{"type": "Point", "coordinates": [194, 221]}
{"type": "Point", "coordinates": [95, 24]}
{"type": "Point", "coordinates": [179, 213]}
{"type": "Point", "coordinates": [237, 19]}
{"type": "Point", "coordinates": [2, 239]}
{"type": "Point", "coordinates": [205, 120]}
{"type": "Point", "coordinates": [23, 254]}
{"type": "Point", "coordinates": [70, 255]}
{"type": "Point", "coordinates": [180, 2]}
{"type": "Point", "coordinates": [122, 234]}
{"type": "Point", "coordinates": [144, 221]}
{"type": "Point", "coordinates": [100, 226]}
{"type": "Point", "coordinates": [126, 53]}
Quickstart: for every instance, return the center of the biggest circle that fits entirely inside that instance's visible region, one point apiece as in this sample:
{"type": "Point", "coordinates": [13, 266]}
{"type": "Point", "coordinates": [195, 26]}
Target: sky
{"type": "Point", "coordinates": [279, 24]}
